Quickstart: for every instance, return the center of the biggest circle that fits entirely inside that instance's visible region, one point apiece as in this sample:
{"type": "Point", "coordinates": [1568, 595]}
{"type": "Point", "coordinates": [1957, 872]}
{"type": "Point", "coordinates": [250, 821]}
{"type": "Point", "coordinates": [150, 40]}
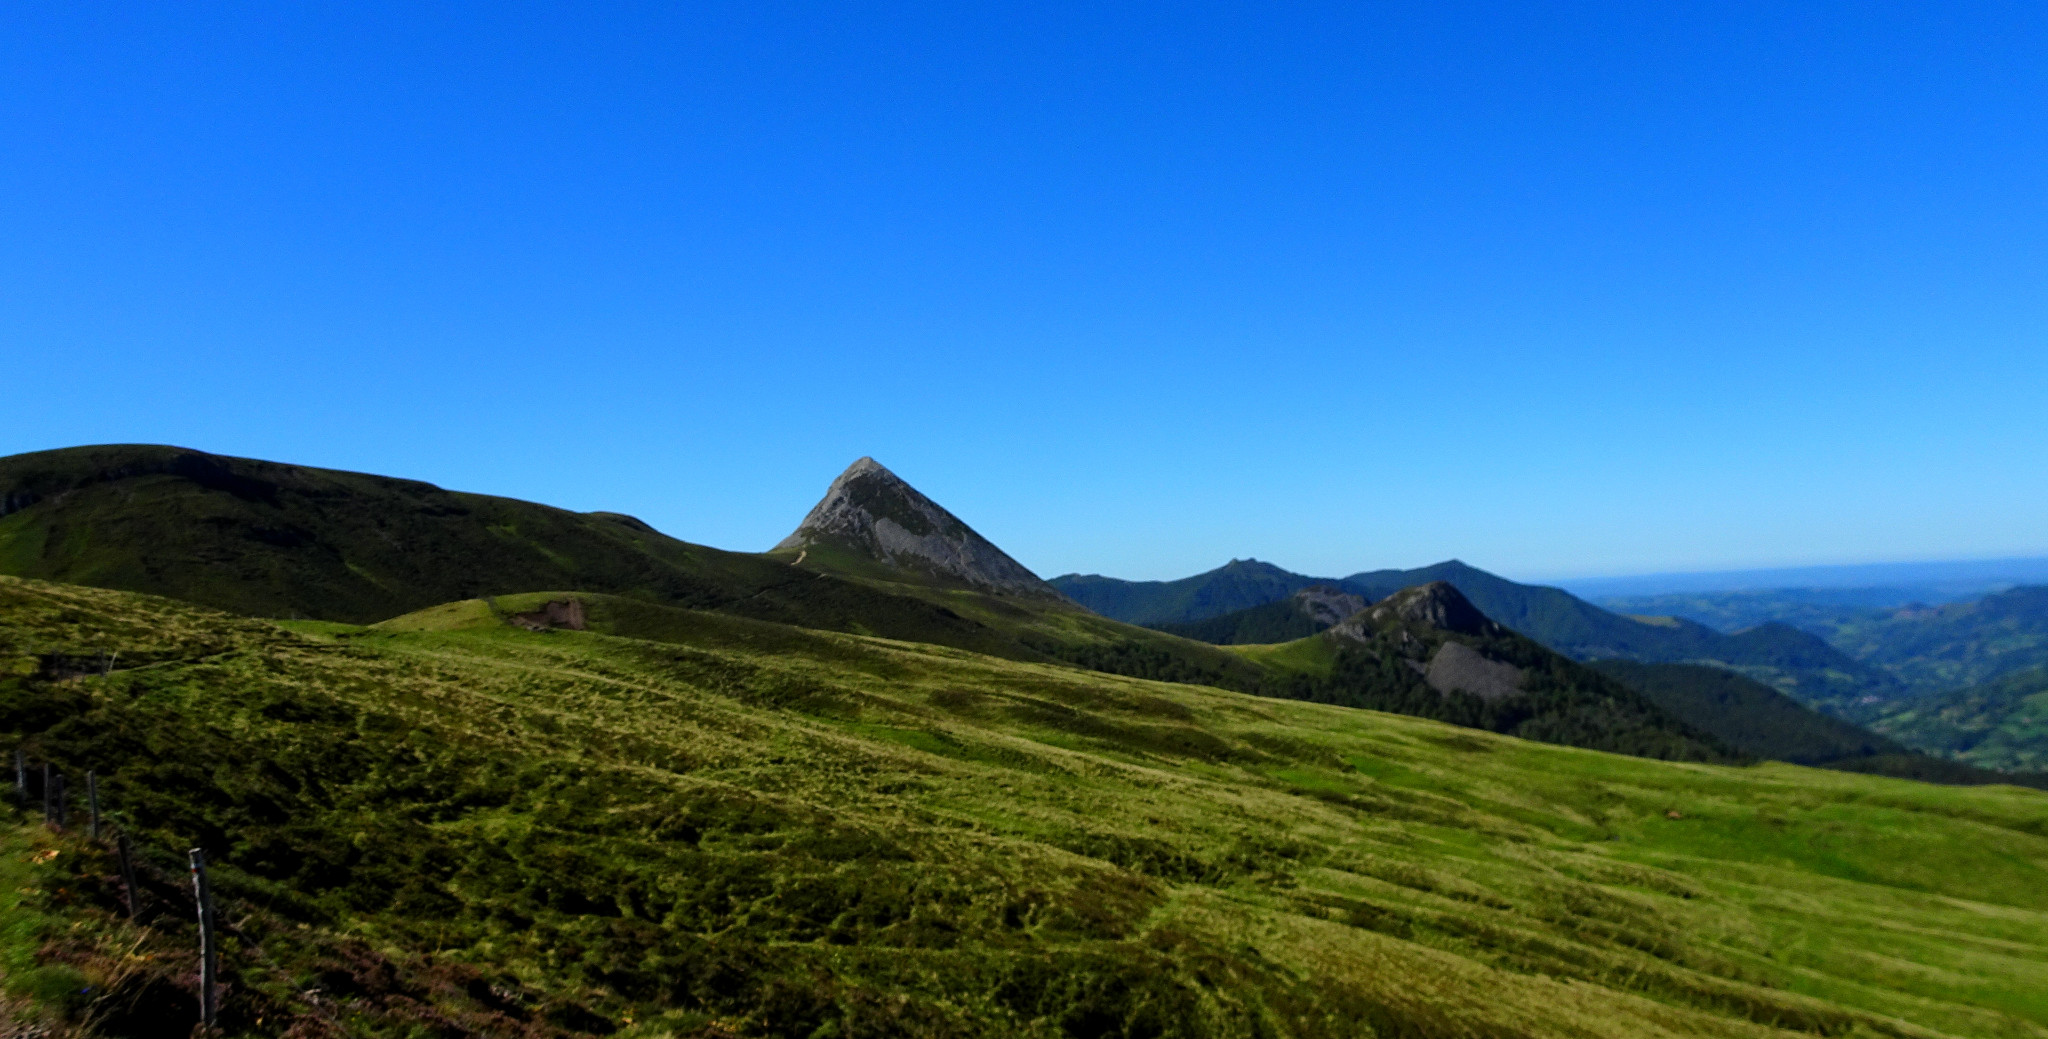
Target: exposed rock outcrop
{"type": "Point", "coordinates": [560, 613]}
{"type": "Point", "coordinates": [1326, 605]}
{"type": "Point", "coordinates": [873, 513]}
{"type": "Point", "coordinates": [1457, 666]}
{"type": "Point", "coordinates": [1419, 622]}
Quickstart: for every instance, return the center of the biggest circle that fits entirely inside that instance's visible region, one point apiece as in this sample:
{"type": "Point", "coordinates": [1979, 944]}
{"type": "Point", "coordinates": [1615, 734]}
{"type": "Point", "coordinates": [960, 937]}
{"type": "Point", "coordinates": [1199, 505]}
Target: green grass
{"type": "Point", "coordinates": [792, 832]}
{"type": "Point", "coordinates": [28, 920]}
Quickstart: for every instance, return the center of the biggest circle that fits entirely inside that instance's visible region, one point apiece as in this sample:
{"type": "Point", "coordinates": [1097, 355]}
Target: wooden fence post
{"type": "Point", "coordinates": [92, 799]}
{"type": "Point", "coordinates": [209, 955]}
{"type": "Point", "coordinates": [60, 803]}
{"type": "Point", "coordinates": [47, 813]}
{"type": "Point", "coordinates": [20, 779]}
{"type": "Point", "coordinates": [127, 857]}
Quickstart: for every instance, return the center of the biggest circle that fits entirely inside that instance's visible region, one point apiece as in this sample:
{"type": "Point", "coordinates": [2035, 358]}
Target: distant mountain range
{"type": "Point", "coordinates": [877, 557]}
{"type": "Point", "coordinates": [1795, 662]}
{"type": "Point", "coordinates": [1970, 668]}
{"type": "Point", "coordinates": [1954, 644]}
{"type": "Point", "coordinates": [1938, 581]}
{"type": "Point", "coordinates": [1927, 648]}
{"type": "Point", "coordinates": [1950, 678]}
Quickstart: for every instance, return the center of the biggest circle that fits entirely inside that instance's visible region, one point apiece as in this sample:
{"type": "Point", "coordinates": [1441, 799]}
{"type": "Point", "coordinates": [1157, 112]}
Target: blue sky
{"type": "Point", "coordinates": [1559, 289]}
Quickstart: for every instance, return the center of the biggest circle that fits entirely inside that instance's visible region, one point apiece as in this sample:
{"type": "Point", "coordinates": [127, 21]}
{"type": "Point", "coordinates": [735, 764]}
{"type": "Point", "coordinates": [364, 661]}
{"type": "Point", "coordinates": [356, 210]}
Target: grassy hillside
{"type": "Point", "coordinates": [755, 830]}
{"type": "Point", "coordinates": [268, 539]}
{"type": "Point", "coordinates": [259, 537]}
{"type": "Point", "coordinates": [2001, 724]}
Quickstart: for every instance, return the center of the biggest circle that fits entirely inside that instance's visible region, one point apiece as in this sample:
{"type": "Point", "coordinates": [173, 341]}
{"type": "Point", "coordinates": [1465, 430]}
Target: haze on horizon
{"type": "Point", "coordinates": [1555, 289]}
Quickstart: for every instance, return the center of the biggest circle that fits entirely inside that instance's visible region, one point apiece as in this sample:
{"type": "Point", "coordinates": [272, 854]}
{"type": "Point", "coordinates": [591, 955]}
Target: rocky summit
{"type": "Point", "coordinates": [872, 513]}
{"type": "Point", "coordinates": [1434, 605]}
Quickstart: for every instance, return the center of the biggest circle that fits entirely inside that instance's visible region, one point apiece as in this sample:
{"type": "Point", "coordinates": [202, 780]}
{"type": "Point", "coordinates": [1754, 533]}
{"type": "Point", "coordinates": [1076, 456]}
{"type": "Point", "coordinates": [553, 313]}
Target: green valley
{"type": "Point", "coordinates": [2001, 724]}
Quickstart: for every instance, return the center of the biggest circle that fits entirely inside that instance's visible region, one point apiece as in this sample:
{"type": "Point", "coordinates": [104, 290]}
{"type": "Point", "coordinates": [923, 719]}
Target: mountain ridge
{"type": "Point", "coordinates": [1795, 662]}
{"type": "Point", "coordinates": [267, 538]}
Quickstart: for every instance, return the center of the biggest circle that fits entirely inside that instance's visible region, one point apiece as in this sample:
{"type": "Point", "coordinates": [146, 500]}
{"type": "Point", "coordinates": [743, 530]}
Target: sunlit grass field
{"type": "Point", "coordinates": [702, 825]}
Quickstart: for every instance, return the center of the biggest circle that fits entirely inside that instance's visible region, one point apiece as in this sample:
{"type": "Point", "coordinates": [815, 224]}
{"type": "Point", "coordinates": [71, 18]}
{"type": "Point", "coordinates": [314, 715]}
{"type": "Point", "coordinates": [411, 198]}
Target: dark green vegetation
{"type": "Point", "coordinates": [1792, 661]}
{"type": "Point", "coordinates": [1757, 720]}
{"type": "Point", "coordinates": [452, 826]}
{"type": "Point", "coordinates": [1748, 716]}
{"type": "Point", "coordinates": [1237, 585]}
{"type": "Point", "coordinates": [1281, 621]}
{"type": "Point", "coordinates": [2000, 724]}
{"type": "Point", "coordinates": [266, 539]}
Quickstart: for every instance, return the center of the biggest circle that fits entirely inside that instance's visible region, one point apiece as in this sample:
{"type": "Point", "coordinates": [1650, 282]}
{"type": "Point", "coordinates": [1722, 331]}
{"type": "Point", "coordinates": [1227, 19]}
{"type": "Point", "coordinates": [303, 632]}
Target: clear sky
{"type": "Point", "coordinates": [1559, 289]}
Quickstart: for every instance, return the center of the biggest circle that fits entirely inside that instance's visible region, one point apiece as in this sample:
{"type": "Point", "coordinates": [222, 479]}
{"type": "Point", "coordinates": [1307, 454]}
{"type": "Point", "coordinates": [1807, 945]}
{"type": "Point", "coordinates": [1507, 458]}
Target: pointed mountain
{"type": "Point", "coordinates": [1438, 605]}
{"type": "Point", "coordinates": [870, 515]}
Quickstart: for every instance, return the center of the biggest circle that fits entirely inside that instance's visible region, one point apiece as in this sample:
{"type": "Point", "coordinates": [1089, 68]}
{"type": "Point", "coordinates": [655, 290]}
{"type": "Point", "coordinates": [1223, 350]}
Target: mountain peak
{"type": "Point", "coordinates": [1436, 606]}
{"type": "Point", "coordinates": [864, 465]}
{"type": "Point", "coordinates": [873, 513]}
{"type": "Point", "coordinates": [1439, 605]}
